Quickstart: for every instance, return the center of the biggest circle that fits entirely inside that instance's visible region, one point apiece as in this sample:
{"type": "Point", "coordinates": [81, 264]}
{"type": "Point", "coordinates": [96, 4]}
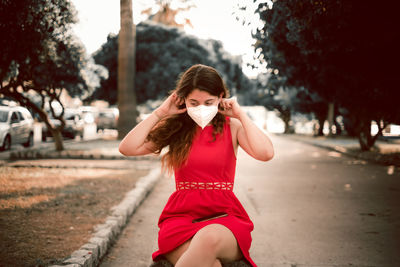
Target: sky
{"type": "Point", "coordinates": [210, 19]}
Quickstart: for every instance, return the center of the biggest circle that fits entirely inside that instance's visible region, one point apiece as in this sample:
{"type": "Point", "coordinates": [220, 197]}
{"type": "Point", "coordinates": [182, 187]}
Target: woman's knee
{"type": "Point", "coordinates": [215, 238]}
{"type": "Point", "coordinates": [208, 239]}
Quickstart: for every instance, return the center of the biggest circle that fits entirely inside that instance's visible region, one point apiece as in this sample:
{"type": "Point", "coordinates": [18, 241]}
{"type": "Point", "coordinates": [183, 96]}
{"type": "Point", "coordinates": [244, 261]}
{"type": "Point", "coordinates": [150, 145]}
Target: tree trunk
{"type": "Point", "coordinates": [321, 115]}
{"type": "Point", "coordinates": [286, 117]}
{"type": "Point", "coordinates": [331, 116]}
{"type": "Point", "coordinates": [58, 139]}
{"type": "Point", "coordinates": [321, 121]}
{"type": "Point", "coordinates": [365, 138]}
{"type": "Point", "coordinates": [55, 131]}
{"type": "Point", "coordinates": [126, 70]}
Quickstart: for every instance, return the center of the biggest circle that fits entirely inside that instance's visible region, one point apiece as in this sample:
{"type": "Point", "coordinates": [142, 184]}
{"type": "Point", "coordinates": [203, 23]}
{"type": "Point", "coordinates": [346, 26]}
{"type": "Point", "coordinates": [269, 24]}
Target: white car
{"type": "Point", "coordinates": [107, 118]}
{"type": "Point", "coordinates": [16, 127]}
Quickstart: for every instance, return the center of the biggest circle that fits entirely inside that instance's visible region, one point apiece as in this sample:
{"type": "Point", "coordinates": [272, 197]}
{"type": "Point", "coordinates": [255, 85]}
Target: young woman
{"type": "Point", "coordinates": [203, 223]}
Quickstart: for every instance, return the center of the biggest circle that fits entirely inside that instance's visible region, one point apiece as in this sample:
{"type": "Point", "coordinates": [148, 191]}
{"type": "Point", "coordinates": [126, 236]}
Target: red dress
{"type": "Point", "coordinates": [203, 188]}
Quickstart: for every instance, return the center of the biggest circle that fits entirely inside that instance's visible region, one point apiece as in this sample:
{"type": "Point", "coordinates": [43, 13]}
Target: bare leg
{"type": "Point", "coordinates": [174, 256]}
{"type": "Point", "coordinates": [217, 263]}
{"type": "Point", "coordinates": [209, 245]}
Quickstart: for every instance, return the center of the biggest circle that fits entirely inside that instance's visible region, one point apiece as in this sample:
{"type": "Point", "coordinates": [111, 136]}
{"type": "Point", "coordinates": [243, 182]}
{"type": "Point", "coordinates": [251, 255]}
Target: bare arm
{"type": "Point", "coordinates": [251, 138]}
{"type": "Point", "coordinates": [134, 143]}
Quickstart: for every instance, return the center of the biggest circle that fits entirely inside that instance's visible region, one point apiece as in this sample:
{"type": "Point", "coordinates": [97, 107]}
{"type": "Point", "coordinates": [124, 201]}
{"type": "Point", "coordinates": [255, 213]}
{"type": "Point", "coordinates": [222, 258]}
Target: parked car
{"type": "Point", "coordinates": [89, 113]}
{"type": "Point", "coordinates": [74, 125]}
{"type": "Point", "coordinates": [107, 119]}
{"type": "Point", "coordinates": [16, 127]}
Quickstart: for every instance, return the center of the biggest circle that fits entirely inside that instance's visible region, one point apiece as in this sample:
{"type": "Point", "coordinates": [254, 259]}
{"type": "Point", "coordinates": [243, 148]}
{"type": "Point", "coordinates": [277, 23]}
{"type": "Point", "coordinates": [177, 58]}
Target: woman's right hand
{"type": "Point", "coordinates": [170, 106]}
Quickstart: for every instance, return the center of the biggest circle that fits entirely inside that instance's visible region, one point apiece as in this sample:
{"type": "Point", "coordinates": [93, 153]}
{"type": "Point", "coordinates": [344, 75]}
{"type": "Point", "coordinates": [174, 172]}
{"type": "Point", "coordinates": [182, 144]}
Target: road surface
{"type": "Point", "coordinates": [310, 207]}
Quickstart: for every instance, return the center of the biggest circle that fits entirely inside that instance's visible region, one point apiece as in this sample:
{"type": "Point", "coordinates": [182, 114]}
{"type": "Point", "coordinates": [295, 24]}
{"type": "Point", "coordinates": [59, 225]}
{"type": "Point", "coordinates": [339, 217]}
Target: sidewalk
{"type": "Point", "coordinates": [101, 148]}
{"type": "Point", "coordinates": [386, 153]}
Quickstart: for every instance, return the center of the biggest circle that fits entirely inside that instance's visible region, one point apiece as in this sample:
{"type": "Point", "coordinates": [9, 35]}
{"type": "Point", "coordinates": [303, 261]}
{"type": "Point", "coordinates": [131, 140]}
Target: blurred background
{"type": "Point", "coordinates": [77, 75]}
{"type": "Point", "coordinates": [314, 67]}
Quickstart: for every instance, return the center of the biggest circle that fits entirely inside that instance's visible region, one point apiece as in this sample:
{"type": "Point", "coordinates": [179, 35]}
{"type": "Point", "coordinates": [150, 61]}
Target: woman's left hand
{"type": "Point", "coordinates": [230, 107]}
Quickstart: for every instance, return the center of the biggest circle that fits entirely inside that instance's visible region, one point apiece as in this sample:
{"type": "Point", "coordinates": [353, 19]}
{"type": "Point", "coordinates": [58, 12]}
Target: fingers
{"type": "Point", "coordinates": [182, 110]}
{"type": "Point", "coordinates": [180, 101]}
{"type": "Point", "coordinates": [177, 100]}
{"type": "Point", "coordinates": [225, 107]}
{"type": "Point", "coordinates": [229, 107]}
{"type": "Point", "coordinates": [226, 104]}
{"type": "Point", "coordinates": [170, 99]}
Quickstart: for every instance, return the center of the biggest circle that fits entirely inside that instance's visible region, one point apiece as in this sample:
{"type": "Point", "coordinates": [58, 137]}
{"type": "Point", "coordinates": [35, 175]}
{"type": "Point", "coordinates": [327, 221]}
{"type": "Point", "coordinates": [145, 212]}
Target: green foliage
{"type": "Point", "coordinates": [107, 56]}
{"type": "Point", "coordinates": [341, 50]}
{"type": "Point", "coordinates": [344, 51]}
{"type": "Point", "coordinates": [40, 47]}
{"type": "Point", "coordinates": [162, 53]}
{"type": "Point", "coordinates": [40, 57]}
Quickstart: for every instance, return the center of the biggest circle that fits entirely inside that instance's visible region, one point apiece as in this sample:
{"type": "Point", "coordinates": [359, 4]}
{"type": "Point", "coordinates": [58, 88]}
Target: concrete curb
{"type": "Point", "coordinates": [107, 233]}
{"type": "Point", "coordinates": [68, 154]}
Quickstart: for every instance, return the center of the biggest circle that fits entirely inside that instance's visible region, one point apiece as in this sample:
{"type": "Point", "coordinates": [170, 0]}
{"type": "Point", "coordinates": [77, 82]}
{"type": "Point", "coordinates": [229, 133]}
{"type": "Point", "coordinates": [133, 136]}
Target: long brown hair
{"type": "Point", "coordinates": [178, 131]}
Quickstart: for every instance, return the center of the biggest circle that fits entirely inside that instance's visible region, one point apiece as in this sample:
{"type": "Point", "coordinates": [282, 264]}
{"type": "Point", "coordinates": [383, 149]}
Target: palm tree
{"type": "Point", "coordinates": [126, 70]}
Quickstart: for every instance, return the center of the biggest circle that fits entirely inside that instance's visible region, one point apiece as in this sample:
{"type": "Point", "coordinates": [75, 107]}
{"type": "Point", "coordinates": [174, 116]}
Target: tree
{"type": "Point", "coordinates": [126, 71]}
{"type": "Point", "coordinates": [271, 91]}
{"type": "Point", "coordinates": [40, 57]}
{"type": "Point", "coordinates": [340, 50]}
{"type": "Point", "coordinates": [162, 53]}
{"type": "Point", "coordinates": [107, 56]}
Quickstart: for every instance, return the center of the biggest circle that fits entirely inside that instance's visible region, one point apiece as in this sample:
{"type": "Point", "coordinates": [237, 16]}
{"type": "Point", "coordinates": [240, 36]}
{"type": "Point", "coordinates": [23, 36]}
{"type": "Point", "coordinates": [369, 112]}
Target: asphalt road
{"type": "Point", "coordinates": [310, 207]}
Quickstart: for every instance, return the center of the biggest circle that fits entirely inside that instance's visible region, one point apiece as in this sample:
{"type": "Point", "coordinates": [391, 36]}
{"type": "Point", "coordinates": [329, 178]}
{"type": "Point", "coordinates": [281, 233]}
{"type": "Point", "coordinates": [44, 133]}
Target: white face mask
{"type": "Point", "coordinates": [202, 114]}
